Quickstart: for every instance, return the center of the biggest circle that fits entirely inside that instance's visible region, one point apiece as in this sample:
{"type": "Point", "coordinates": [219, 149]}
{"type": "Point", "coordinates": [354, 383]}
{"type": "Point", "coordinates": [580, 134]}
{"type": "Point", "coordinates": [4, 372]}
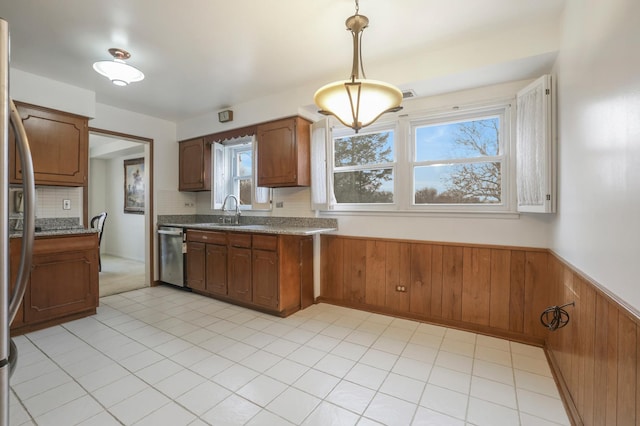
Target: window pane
{"type": "Point", "coordinates": [468, 139]}
{"type": "Point", "coordinates": [364, 186]}
{"type": "Point", "coordinates": [244, 167]}
{"type": "Point", "coordinates": [245, 192]}
{"type": "Point", "coordinates": [472, 183]}
{"type": "Point", "coordinates": [362, 150]}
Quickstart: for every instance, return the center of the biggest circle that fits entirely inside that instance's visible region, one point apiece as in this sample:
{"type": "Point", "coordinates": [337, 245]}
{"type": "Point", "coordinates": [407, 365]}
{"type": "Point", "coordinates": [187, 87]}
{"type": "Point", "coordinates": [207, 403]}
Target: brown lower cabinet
{"type": "Point", "coordinates": [271, 273]}
{"type": "Point", "coordinates": [63, 283]}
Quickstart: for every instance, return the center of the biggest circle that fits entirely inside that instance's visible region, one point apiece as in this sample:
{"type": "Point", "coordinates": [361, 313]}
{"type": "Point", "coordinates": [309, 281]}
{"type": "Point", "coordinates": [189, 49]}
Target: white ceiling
{"type": "Point", "coordinates": [201, 56]}
{"type": "Point", "coordinates": [109, 147]}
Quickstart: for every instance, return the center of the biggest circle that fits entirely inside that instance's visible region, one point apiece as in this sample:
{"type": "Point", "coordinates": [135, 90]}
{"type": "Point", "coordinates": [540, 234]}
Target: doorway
{"type": "Point", "coordinates": [126, 248]}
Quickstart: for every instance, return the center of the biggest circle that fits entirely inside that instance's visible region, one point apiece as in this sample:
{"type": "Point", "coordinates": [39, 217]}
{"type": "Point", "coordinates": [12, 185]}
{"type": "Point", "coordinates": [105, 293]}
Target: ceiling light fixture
{"type": "Point", "coordinates": [117, 70]}
{"type": "Point", "coordinates": [357, 102]}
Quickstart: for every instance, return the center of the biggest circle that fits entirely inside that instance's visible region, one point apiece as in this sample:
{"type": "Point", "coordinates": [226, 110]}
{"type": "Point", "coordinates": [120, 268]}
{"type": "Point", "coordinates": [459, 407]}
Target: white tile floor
{"type": "Point", "coordinates": [161, 356]}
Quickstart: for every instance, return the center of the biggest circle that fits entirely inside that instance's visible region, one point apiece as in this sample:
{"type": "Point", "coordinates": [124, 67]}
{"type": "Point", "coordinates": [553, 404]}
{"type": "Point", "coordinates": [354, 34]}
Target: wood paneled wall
{"type": "Point", "coordinates": [595, 357]}
{"type": "Point", "coordinates": [490, 289]}
{"type": "Point", "coordinates": [500, 291]}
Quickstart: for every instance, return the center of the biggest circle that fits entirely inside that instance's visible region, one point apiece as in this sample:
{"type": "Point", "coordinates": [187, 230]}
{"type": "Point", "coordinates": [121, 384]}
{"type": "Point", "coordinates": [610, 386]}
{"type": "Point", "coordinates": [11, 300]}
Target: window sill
{"type": "Point", "coordinates": [429, 214]}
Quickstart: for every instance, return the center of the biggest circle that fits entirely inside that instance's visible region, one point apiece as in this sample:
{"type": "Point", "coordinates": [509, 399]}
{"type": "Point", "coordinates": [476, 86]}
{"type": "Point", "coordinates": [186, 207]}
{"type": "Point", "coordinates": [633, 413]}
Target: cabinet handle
{"type": "Point", "coordinates": [169, 232]}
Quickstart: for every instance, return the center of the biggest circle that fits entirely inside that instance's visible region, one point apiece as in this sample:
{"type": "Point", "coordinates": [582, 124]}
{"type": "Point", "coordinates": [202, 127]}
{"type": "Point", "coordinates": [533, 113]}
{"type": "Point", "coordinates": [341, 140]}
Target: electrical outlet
{"type": "Point", "coordinates": [66, 204]}
{"type": "Point", "coordinates": [279, 204]}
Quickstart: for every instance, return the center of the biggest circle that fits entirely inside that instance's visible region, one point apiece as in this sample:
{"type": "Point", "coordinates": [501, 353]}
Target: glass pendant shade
{"type": "Point", "coordinates": [357, 102]}
{"type": "Point", "coordinates": [119, 72]}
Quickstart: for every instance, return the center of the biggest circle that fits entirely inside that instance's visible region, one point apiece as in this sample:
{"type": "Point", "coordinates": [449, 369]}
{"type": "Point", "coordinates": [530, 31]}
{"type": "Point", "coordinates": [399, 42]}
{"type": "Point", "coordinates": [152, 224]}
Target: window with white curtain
{"type": "Point", "coordinates": [234, 167]}
{"type": "Point", "coordinates": [536, 148]}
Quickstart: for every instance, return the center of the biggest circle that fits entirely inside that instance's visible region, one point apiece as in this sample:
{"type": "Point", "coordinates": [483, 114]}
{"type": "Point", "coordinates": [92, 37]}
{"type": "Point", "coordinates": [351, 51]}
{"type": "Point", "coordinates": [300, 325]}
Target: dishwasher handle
{"type": "Point", "coordinates": [163, 232]}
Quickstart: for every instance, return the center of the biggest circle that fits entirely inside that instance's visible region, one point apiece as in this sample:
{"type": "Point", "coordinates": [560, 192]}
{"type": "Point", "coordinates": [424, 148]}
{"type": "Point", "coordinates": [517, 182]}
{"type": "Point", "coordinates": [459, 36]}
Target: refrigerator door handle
{"type": "Point", "coordinates": [28, 229]}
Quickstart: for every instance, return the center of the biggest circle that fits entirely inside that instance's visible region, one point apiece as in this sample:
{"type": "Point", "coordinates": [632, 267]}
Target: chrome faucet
{"type": "Point", "coordinates": [224, 207]}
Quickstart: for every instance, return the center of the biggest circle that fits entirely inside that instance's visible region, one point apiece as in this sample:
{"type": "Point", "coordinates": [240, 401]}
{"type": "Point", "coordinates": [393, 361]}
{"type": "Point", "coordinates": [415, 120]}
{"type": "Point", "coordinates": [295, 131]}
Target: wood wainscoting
{"type": "Point", "coordinates": [494, 290]}
{"type": "Point", "coordinates": [595, 357]}
{"type": "Point", "coordinates": [500, 291]}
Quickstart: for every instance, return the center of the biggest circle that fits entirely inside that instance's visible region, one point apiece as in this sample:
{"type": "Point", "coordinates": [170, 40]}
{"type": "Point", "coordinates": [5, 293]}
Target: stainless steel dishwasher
{"type": "Point", "coordinates": [172, 247]}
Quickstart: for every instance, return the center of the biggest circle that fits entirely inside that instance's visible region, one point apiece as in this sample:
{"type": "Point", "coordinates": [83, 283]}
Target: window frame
{"type": "Point", "coordinates": [228, 149]}
{"type": "Point", "coordinates": [503, 112]}
{"type": "Point", "coordinates": [233, 183]}
{"type": "Point", "coordinates": [343, 131]}
{"type": "Point", "coordinates": [404, 162]}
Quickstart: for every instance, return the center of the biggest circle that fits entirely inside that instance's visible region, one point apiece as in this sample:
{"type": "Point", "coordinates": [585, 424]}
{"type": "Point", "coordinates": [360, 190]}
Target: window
{"type": "Point", "coordinates": [241, 181]}
{"type": "Point", "coordinates": [459, 161]}
{"type": "Point", "coordinates": [234, 164]}
{"type": "Point", "coordinates": [364, 166]}
{"type": "Point", "coordinates": [453, 161]}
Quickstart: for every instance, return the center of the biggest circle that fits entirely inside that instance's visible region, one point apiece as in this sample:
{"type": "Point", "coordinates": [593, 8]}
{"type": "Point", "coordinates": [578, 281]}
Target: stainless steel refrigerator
{"type": "Point", "coordinates": [11, 295]}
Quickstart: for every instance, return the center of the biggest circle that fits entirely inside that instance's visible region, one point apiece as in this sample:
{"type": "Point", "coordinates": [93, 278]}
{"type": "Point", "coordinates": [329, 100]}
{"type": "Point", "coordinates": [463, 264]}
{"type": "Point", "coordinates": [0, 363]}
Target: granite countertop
{"type": "Point", "coordinates": [266, 229]}
{"type": "Point", "coordinates": [262, 224]}
{"type": "Point", "coordinates": [55, 232]}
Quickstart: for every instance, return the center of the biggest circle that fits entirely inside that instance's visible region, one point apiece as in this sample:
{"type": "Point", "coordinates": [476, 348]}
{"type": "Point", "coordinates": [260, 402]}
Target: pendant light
{"type": "Point", "coordinates": [357, 102]}
{"type": "Point", "coordinates": [119, 72]}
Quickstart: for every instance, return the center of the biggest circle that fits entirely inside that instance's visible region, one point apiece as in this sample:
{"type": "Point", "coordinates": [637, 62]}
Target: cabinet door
{"type": "Point", "coordinates": [194, 165]}
{"type": "Point", "coordinates": [216, 276]}
{"type": "Point", "coordinates": [61, 284]}
{"type": "Point", "coordinates": [265, 278]}
{"type": "Point", "coordinates": [14, 248]}
{"type": "Point", "coordinates": [306, 272]}
{"type": "Point", "coordinates": [283, 153]}
{"type": "Point", "coordinates": [239, 276]}
{"type": "Point", "coordinates": [59, 147]}
{"type": "Point", "coordinates": [196, 258]}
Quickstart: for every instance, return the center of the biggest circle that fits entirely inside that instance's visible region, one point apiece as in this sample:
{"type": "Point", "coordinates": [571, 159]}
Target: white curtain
{"type": "Point", "coordinates": [261, 195]}
{"type": "Point", "coordinates": [319, 139]}
{"type": "Point", "coordinates": [531, 146]}
{"type": "Point", "coordinates": [219, 176]}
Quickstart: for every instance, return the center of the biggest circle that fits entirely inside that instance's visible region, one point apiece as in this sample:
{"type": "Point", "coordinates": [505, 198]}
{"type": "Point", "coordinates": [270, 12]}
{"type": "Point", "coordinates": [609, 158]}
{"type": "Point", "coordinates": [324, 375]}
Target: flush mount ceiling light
{"type": "Point", "coordinates": [357, 102]}
{"type": "Point", "coordinates": [117, 70]}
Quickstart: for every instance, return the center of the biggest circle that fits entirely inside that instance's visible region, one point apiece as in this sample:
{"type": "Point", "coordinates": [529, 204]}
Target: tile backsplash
{"type": "Point", "coordinates": [49, 202]}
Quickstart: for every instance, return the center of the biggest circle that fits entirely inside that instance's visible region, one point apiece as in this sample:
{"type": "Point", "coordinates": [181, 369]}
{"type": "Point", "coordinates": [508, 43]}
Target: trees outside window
{"type": "Point", "coordinates": [458, 163]}
{"type": "Point", "coordinates": [364, 168]}
{"type": "Point", "coordinates": [451, 161]}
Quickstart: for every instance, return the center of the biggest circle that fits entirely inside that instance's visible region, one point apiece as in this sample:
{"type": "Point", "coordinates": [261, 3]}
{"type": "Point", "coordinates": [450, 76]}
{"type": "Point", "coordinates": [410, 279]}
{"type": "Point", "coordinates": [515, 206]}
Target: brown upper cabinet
{"type": "Point", "coordinates": [195, 165]}
{"type": "Point", "coordinates": [283, 153]}
{"type": "Point", "coordinates": [59, 146]}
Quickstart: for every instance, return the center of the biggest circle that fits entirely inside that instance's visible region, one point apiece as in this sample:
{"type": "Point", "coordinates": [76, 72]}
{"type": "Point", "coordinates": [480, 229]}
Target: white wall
{"type": "Point", "coordinates": [598, 71]}
{"type": "Point", "coordinates": [467, 63]}
{"type": "Point", "coordinates": [124, 233]}
{"type": "Point", "coordinates": [42, 91]}
{"type": "Point", "coordinates": [514, 230]}
{"type": "Point", "coordinates": [97, 203]}
{"type": "Point", "coordinates": [97, 186]}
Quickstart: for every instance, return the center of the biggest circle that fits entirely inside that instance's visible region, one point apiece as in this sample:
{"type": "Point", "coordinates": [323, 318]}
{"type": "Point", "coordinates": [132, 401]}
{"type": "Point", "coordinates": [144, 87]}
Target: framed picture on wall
{"type": "Point", "coordinates": [134, 186]}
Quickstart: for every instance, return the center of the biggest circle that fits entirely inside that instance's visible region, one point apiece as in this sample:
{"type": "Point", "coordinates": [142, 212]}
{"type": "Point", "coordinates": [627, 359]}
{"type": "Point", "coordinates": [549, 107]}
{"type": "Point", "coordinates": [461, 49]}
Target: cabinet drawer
{"type": "Point", "coordinates": [239, 240]}
{"type": "Point", "coordinates": [207, 237]}
{"type": "Point", "coordinates": [265, 242]}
